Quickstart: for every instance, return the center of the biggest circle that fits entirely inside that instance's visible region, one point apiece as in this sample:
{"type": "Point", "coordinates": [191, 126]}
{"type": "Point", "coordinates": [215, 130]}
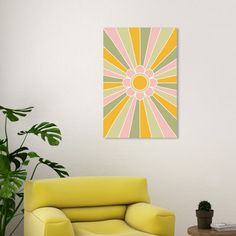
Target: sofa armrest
{"type": "Point", "coordinates": [47, 221]}
{"type": "Point", "coordinates": [151, 219]}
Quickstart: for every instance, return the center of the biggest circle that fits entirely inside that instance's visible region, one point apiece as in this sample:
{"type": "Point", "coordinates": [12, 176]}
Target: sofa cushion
{"type": "Point", "coordinates": [95, 213]}
{"type": "Point", "coordinates": [107, 227]}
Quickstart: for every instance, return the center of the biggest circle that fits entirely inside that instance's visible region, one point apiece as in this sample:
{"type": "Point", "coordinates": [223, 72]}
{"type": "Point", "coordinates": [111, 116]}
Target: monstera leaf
{"type": "Point", "coordinates": [10, 182]}
{"type": "Point", "coordinates": [3, 149]}
{"type": "Point", "coordinates": [48, 132]}
{"type": "Point", "coordinates": [2, 141]}
{"type": "Point", "coordinates": [59, 169]}
{"type": "Point", "coordinates": [14, 114]}
{"type": "Point", "coordinates": [33, 154]}
{"type": "Point", "coordinates": [4, 164]}
{"type": "Point", "coordinates": [9, 204]}
{"type": "Point", "coordinates": [19, 156]}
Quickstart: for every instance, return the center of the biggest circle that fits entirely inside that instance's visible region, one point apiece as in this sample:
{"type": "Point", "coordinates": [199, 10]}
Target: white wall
{"type": "Point", "coordinates": [51, 57]}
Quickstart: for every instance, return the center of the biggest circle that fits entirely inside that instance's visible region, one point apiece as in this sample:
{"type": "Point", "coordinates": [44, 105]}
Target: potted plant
{"type": "Point", "coordinates": [14, 164]}
{"type": "Point", "coordinates": [204, 215]}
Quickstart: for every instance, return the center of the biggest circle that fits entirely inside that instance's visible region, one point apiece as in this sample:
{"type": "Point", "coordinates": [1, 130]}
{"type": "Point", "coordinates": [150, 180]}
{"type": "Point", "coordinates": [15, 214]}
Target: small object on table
{"type": "Point", "coordinates": [224, 226]}
{"type": "Point", "coordinates": [195, 231]}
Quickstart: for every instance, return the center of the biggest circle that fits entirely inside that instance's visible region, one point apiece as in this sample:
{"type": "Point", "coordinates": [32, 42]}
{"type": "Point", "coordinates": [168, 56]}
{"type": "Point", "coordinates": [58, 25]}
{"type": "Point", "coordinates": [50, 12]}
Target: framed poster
{"type": "Point", "coordinates": [140, 83]}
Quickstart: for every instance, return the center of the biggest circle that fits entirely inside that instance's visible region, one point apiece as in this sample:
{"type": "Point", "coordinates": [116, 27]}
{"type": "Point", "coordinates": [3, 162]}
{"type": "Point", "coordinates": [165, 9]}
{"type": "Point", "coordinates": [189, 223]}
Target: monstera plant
{"type": "Point", "coordinates": [13, 164]}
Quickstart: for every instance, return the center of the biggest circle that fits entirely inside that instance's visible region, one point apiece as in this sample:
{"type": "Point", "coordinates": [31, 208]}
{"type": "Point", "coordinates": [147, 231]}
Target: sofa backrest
{"type": "Point", "coordinates": [88, 191]}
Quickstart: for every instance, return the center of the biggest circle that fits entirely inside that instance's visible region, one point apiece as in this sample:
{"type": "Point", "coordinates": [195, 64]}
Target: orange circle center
{"type": "Point", "coordinates": [140, 82]}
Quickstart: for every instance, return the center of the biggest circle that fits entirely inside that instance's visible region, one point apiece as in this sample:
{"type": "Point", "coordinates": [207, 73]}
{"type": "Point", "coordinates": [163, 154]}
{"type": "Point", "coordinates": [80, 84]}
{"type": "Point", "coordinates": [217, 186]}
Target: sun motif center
{"type": "Point", "coordinates": [139, 82]}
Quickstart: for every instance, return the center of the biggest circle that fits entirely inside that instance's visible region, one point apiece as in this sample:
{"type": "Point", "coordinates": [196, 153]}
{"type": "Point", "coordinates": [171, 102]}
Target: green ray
{"type": "Point", "coordinates": [167, 60]}
{"type": "Point", "coordinates": [112, 48]}
{"type": "Point", "coordinates": [108, 92]}
{"type": "Point", "coordinates": [111, 79]}
{"type": "Point", "coordinates": [167, 116]}
{"type": "Point", "coordinates": [112, 104]}
{"type": "Point", "coordinates": [154, 128]}
{"type": "Point", "coordinates": [118, 123]}
{"type": "Point", "coordinates": [134, 133]}
{"type": "Point", "coordinates": [125, 37]}
{"type": "Point", "coordinates": [109, 66]}
{"type": "Point", "coordinates": [144, 41]}
{"type": "Point", "coordinates": [161, 41]}
{"type": "Point", "coordinates": [167, 74]}
{"type": "Point", "coordinates": [168, 97]}
{"type": "Point", "coordinates": [172, 86]}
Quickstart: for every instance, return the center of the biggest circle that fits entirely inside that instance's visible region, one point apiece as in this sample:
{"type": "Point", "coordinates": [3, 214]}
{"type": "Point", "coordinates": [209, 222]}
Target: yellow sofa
{"type": "Point", "coordinates": [93, 206]}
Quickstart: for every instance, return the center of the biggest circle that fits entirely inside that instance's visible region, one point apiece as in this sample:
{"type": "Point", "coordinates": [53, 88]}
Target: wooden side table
{"type": "Point", "coordinates": [194, 231]}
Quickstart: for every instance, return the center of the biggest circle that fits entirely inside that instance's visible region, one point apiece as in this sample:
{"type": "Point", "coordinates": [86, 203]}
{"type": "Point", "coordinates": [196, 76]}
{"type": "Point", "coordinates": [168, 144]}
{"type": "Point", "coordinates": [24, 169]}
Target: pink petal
{"type": "Point", "coordinates": [130, 73]}
{"type": "Point", "coordinates": [130, 92]}
{"type": "Point", "coordinates": [149, 73]}
{"type": "Point", "coordinates": [126, 82]}
{"type": "Point", "coordinates": [153, 82]}
{"type": "Point", "coordinates": [139, 96]}
{"type": "Point", "coordinates": [140, 69]}
{"type": "Point", "coordinates": [149, 92]}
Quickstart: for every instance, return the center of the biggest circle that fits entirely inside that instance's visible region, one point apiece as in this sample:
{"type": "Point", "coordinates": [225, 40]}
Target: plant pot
{"type": "Point", "coordinates": [204, 219]}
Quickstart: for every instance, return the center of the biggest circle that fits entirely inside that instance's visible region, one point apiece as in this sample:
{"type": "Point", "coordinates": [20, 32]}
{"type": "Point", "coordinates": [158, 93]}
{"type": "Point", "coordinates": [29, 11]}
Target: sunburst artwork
{"type": "Point", "coordinates": [140, 82]}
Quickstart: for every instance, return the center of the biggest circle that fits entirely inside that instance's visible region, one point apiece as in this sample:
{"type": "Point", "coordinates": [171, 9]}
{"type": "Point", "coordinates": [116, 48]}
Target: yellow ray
{"type": "Point", "coordinates": [110, 58]}
{"type": "Point", "coordinates": [109, 119]}
{"type": "Point", "coordinates": [170, 45]}
{"type": "Point", "coordinates": [111, 85]}
{"type": "Point", "coordinates": [135, 37]}
{"type": "Point", "coordinates": [145, 131]}
{"type": "Point", "coordinates": [170, 107]}
{"type": "Point", "coordinates": [171, 79]}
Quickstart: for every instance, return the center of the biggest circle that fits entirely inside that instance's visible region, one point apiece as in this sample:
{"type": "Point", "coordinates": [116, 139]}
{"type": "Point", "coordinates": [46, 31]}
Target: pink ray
{"type": "Point", "coordinates": [112, 97]}
{"type": "Point", "coordinates": [151, 44]}
{"type": "Point", "coordinates": [169, 66]}
{"type": "Point", "coordinates": [128, 122]}
{"type": "Point", "coordinates": [165, 128]}
{"type": "Point", "coordinates": [112, 74]}
{"type": "Point", "coordinates": [167, 90]}
{"type": "Point", "coordinates": [115, 37]}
